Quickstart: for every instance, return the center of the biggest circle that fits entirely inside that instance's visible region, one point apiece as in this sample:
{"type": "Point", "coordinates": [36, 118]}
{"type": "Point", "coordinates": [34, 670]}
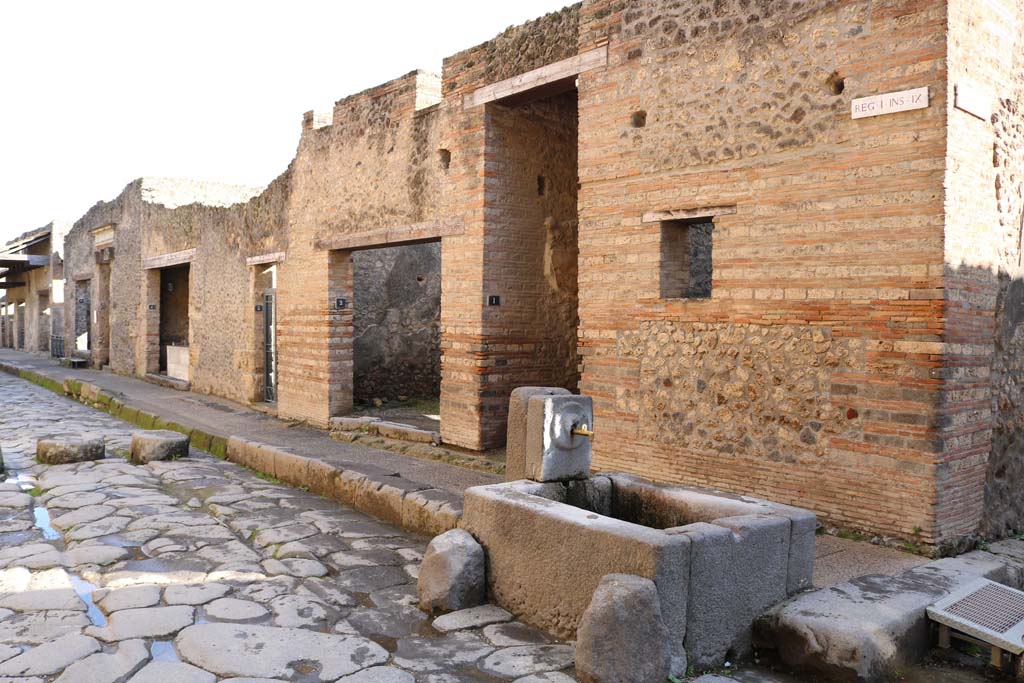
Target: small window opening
{"type": "Point", "coordinates": [686, 262]}
{"type": "Point", "coordinates": [541, 185]}
{"type": "Point", "coordinates": [639, 119]}
{"type": "Point", "coordinates": [445, 157]}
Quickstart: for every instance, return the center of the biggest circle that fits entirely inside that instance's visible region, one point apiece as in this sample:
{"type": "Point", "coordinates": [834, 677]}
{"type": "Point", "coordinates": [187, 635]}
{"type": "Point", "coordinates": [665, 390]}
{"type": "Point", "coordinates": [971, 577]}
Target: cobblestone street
{"type": "Point", "coordinates": [197, 570]}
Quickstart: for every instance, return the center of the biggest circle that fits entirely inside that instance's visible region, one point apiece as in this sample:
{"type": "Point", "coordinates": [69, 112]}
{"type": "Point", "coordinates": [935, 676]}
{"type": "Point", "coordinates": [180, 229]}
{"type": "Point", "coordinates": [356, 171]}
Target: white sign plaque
{"type": "Point", "coordinates": [890, 103]}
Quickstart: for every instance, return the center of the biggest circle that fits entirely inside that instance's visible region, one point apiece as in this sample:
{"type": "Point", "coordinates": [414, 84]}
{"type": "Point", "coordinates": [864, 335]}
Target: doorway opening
{"type": "Point", "coordinates": [265, 296]}
{"type": "Point", "coordinates": [43, 322]}
{"type": "Point", "coordinates": [174, 322]}
{"type": "Point", "coordinates": [83, 317]}
{"type": "Point", "coordinates": [102, 315]}
{"type": "Point", "coordinates": [531, 288]}
{"type": "Point", "coordinates": [397, 333]}
{"type": "Point", "coordinates": [19, 325]}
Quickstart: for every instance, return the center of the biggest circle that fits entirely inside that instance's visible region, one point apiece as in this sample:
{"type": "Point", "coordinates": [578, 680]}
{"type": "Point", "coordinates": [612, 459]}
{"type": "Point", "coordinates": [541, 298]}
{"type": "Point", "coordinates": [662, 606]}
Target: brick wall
{"type": "Point", "coordinates": [982, 410]}
{"type": "Point", "coordinates": [530, 251]}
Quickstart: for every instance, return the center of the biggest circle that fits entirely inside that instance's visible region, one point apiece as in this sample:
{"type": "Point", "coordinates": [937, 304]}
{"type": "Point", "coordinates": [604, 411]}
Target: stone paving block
{"type": "Point", "coordinates": [51, 657]}
{"type": "Point", "coordinates": [473, 617]}
{"type": "Point", "coordinates": [513, 662]}
{"type": "Point", "coordinates": [130, 656]}
{"type": "Point", "coordinates": [146, 622]}
{"type": "Point", "coordinates": [172, 672]}
{"type": "Point", "coordinates": [241, 650]}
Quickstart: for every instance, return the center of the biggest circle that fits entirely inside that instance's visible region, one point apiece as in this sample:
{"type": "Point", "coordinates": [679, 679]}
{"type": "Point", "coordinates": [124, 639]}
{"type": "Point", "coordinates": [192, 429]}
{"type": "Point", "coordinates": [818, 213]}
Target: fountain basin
{"type": "Point", "coordinates": [718, 560]}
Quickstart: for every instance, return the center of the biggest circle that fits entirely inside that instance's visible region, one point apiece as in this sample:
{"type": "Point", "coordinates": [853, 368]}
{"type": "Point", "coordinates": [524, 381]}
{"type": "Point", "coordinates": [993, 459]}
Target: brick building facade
{"type": "Point", "coordinates": [674, 208]}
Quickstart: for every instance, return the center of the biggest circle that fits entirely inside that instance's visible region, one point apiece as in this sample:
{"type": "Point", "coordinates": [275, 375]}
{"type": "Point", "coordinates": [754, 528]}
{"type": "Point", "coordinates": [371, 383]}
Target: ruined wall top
{"type": "Point", "coordinates": [515, 51]}
{"type": "Point", "coordinates": [175, 192]}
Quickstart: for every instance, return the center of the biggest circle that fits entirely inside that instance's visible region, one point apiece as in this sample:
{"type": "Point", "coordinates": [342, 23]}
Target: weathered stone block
{"type": "Point", "coordinates": [236, 450]}
{"type": "Point", "coordinates": [393, 430]}
{"type": "Point", "coordinates": [61, 450]}
{"type": "Point", "coordinates": [738, 569]}
{"type": "Point", "coordinates": [553, 451]}
{"type": "Point", "coordinates": [431, 511]}
{"type": "Point", "coordinates": [871, 627]}
{"type": "Point", "coordinates": [351, 424]}
{"type": "Point", "coordinates": [452, 575]}
{"type": "Point", "coordinates": [518, 406]}
{"type": "Point", "coordinates": [622, 637]}
{"type": "Point", "coordinates": [383, 496]}
{"type": "Point", "coordinates": [157, 445]}
{"type": "Point", "coordinates": [321, 476]}
{"type": "Point", "coordinates": [290, 468]}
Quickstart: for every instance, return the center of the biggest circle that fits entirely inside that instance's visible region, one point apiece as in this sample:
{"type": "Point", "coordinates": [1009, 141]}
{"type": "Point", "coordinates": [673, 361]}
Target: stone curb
{"type": "Point", "coordinates": [373, 490]}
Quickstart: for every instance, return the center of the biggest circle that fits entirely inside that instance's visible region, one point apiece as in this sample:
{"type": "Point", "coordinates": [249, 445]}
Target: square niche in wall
{"type": "Point", "coordinates": [686, 258]}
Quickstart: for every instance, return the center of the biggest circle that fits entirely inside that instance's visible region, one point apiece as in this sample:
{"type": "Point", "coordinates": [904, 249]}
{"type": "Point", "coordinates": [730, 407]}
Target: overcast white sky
{"type": "Point", "coordinates": [94, 94]}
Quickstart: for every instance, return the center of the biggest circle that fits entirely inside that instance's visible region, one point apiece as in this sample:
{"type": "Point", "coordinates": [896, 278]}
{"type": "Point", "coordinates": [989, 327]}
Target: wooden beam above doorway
{"type": "Point", "coordinates": [537, 78]}
{"type": "Point", "coordinates": [412, 233]}
{"type": "Point", "coordinates": [167, 260]}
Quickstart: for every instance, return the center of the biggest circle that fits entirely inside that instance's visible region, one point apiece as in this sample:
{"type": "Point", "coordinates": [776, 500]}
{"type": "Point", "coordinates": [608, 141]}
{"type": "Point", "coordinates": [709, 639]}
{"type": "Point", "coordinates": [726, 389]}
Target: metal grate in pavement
{"type": "Point", "coordinates": [986, 610]}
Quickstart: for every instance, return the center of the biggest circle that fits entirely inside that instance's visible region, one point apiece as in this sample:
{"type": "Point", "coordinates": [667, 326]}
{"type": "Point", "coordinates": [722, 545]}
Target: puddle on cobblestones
{"type": "Point", "coordinates": [132, 546]}
{"type": "Point", "coordinates": [84, 590]}
{"type": "Point", "coordinates": [163, 651]}
{"type": "Point", "coordinates": [41, 517]}
{"type": "Point", "coordinates": [26, 482]}
{"type": "Point", "coordinates": [42, 520]}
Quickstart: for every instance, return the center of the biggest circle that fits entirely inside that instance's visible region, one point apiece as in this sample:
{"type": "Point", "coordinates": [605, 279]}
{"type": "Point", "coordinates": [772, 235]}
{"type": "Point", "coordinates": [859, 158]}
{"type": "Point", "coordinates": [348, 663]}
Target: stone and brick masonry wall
{"type": "Point", "coordinates": [374, 167]}
{"type": "Point", "coordinates": [808, 376]}
{"type": "Point", "coordinates": [148, 222]}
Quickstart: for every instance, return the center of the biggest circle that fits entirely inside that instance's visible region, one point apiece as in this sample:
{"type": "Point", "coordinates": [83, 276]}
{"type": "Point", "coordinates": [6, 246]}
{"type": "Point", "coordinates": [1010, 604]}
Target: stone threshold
{"type": "Point", "coordinates": [385, 494]}
{"type": "Point", "coordinates": [169, 382]}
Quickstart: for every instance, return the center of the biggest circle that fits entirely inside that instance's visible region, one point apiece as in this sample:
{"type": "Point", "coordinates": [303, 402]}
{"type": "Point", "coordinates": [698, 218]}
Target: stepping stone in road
{"type": "Point", "coordinates": [60, 450]}
{"type": "Point", "coordinates": [158, 444]}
